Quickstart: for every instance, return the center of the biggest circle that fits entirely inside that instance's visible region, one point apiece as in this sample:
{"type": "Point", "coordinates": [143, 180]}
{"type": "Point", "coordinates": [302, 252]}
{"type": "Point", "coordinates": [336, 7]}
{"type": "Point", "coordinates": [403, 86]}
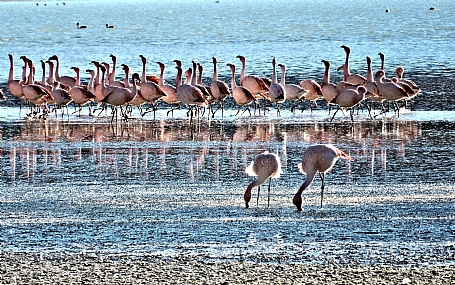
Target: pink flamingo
{"type": "Point", "coordinates": [317, 159]}
{"type": "Point", "coordinates": [265, 166]}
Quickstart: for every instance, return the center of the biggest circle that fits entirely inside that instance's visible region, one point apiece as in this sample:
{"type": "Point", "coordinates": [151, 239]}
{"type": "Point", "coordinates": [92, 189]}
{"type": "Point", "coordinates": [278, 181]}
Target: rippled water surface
{"type": "Point", "coordinates": [299, 33]}
{"type": "Point", "coordinates": [167, 187]}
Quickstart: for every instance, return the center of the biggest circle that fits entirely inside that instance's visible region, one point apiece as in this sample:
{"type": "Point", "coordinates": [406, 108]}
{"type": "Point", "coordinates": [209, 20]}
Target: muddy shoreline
{"type": "Point", "coordinates": [122, 269]}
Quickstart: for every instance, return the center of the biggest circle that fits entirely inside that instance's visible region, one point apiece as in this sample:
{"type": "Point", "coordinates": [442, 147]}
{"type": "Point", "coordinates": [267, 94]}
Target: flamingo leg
{"type": "Point", "coordinates": [268, 199]}
{"type": "Point", "coordinates": [322, 175]}
{"type": "Point", "coordinates": [257, 200]}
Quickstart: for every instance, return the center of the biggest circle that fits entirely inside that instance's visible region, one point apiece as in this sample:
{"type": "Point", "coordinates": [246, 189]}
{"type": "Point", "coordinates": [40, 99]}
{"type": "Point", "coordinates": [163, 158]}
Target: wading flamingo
{"type": "Point", "coordinates": [317, 159]}
{"type": "Point", "coordinates": [265, 166]}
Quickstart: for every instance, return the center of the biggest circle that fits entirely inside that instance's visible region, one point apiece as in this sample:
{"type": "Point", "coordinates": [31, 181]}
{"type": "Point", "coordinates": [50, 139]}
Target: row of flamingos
{"type": "Point", "coordinates": [105, 89]}
{"type": "Point", "coordinates": [316, 159]}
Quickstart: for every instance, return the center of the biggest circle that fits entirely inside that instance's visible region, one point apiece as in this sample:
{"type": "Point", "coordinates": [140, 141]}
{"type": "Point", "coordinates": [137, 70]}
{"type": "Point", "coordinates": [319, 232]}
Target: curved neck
{"type": "Point", "coordinates": [78, 77]}
{"type": "Point", "coordinates": [178, 77]}
{"type": "Point", "coordinates": [193, 77]}
{"type": "Point", "coordinates": [11, 69]}
{"type": "Point", "coordinates": [283, 75]}
{"type": "Point", "coordinates": [92, 78]}
{"type": "Point", "coordinates": [51, 80]}
{"type": "Point", "coordinates": [274, 72]}
{"type": "Point", "coordinates": [233, 85]}
{"type": "Point", "coordinates": [112, 74]}
{"type": "Point", "coordinates": [346, 71]}
{"type": "Point", "coordinates": [369, 72]}
{"type": "Point", "coordinates": [144, 77]}
{"type": "Point", "coordinates": [43, 78]}
{"type": "Point", "coordinates": [215, 74]}
{"type": "Point", "coordinates": [127, 81]}
{"type": "Point", "coordinates": [57, 69]}
{"type": "Point", "coordinates": [242, 73]}
{"type": "Point", "coordinates": [326, 78]}
{"type": "Point", "coordinates": [309, 177]}
{"type": "Point", "coordinates": [199, 77]}
{"type": "Point", "coordinates": [161, 79]}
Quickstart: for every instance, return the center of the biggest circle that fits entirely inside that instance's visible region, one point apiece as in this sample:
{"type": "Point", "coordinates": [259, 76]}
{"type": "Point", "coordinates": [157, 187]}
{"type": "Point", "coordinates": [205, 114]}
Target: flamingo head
{"type": "Point", "coordinates": [297, 201]}
{"type": "Point", "coordinates": [178, 63]}
{"type": "Point", "coordinates": [54, 57]}
{"type": "Point", "coordinates": [75, 68]}
{"type": "Point", "coordinates": [242, 58]}
{"type": "Point", "coordinates": [400, 71]}
{"type": "Point", "coordinates": [160, 64]}
{"type": "Point", "coordinates": [368, 60]}
{"type": "Point", "coordinates": [346, 49]}
{"type": "Point", "coordinates": [231, 66]}
{"type": "Point", "coordinates": [144, 60]}
{"type": "Point", "coordinates": [341, 68]}
{"type": "Point", "coordinates": [379, 74]}
{"type": "Point", "coordinates": [326, 63]}
{"type": "Point", "coordinates": [247, 195]}
{"type": "Point", "coordinates": [135, 76]}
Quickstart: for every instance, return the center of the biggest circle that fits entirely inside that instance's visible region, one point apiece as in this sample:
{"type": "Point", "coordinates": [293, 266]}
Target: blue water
{"type": "Point", "coordinates": [299, 33]}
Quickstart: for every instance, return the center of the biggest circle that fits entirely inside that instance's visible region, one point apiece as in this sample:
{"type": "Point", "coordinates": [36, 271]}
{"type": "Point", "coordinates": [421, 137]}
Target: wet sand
{"type": "Point", "coordinates": [122, 269]}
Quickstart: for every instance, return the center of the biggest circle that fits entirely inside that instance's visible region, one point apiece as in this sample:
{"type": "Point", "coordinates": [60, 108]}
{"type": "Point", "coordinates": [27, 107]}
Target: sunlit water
{"type": "Point", "coordinates": [167, 187]}
{"type": "Point", "coordinates": [299, 33]}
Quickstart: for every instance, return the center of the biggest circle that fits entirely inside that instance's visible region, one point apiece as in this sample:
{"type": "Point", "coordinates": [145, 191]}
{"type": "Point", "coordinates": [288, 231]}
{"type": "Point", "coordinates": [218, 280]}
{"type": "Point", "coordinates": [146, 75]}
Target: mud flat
{"type": "Point", "coordinates": [123, 269]}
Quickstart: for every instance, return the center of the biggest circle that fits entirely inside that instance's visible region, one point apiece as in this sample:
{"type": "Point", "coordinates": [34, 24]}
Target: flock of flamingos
{"type": "Point", "coordinates": [105, 89]}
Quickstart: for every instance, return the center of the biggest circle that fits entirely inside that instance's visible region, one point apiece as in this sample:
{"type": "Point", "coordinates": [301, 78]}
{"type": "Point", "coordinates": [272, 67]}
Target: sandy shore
{"type": "Point", "coordinates": [121, 269]}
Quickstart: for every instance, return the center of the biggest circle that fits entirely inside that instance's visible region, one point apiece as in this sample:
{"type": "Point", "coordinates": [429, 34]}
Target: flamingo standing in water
{"type": "Point", "coordinates": [241, 95]}
{"type": "Point", "coordinates": [277, 92]}
{"type": "Point", "coordinates": [220, 90]}
{"type": "Point", "coordinates": [256, 85]}
{"type": "Point", "coordinates": [81, 94]}
{"type": "Point", "coordinates": [293, 91]}
{"type": "Point", "coordinates": [314, 91]}
{"type": "Point", "coordinates": [67, 80]}
{"type": "Point", "coordinates": [356, 79]}
{"type": "Point", "coordinates": [265, 166]}
{"type": "Point", "coordinates": [317, 159]}
{"type": "Point", "coordinates": [14, 85]}
{"type": "Point", "coordinates": [170, 90]}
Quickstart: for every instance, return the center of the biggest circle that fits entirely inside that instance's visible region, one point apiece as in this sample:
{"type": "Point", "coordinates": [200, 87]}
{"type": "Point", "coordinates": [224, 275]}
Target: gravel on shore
{"type": "Point", "coordinates": [31, 268]}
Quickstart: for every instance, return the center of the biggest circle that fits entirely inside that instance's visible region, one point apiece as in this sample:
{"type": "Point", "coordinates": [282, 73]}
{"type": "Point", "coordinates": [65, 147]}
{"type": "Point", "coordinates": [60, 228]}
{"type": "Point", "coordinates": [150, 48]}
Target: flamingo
{"type": "Point", "coordinates": [253, 83]}
{"type": "Point", "coordinates": [314, 91]}
{"type": "Point", "coordinates": [170, 90]}
{"type": "Point", "coordinates": [114, 68]}
{"type": "Point", "coordinates": [194, 82]}
{"type": "Point", "coordinates": [138, 100]}
{"type": "Point", "coordinates": [219, 89]}
{"type": "Point", "coordinates": [151, 91]}
{"type": "Point", "coordinates": [241, 95]}
{"type": "Point", "coordinates": [61, 97]}
{"type": "Point", "coordinates": [409, 85]}
{"type": "Point", "coordinates": [317, 159]}
{"type": "Point", "coordinates": [34, 93]}
{"type": "Point", "coordinates": [188, 94]}
{"type": "Point", "coordinates": [81, 95]}
{"type": "Point", "coordinates": [277, 92]}
{"type": "Point", "coordinates": [117, 96]}
{"type": "Point", "coordinates": [14, 85]}
{"type": "Point", "coordinates": [265, 166]}
{"type": "Point", "coordinates": [79, 26]}
{"type": "Point", "coordinates": [390, 91]}
{"type": "Point", "coordinates": [372, 88]}
{"type": "Point", "coordinates": [356, 79]}
{"type": "Point", "coordinates": [67, 80]}
{"type": "Point", "coordinates": [294, 92]}
{"type": "Point", "coordinates": [348, 99]}
{"type": "Point", "coordinates": [329, 90]}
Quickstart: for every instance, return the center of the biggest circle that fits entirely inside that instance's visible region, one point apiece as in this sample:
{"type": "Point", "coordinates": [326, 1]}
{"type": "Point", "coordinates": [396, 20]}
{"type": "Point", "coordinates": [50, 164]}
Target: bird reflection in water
{"type": "Point", "coordinates": [46, 151]}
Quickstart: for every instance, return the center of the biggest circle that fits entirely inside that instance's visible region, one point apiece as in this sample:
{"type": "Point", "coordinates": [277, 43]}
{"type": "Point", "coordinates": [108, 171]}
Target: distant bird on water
{"type": "Point", "coordinates": [265, 166]}
{"type": "Point", "coordinates": [79, 26]}
{"type": "Point", "coordinates": [110, 26]}
{"type": "Point", "coordinates": [317, 159]}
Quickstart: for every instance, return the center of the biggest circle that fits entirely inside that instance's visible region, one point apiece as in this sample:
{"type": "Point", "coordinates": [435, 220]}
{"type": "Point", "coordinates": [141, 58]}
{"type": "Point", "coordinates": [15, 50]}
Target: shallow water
{"type": "Point", "coordinates": [165, 187]}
